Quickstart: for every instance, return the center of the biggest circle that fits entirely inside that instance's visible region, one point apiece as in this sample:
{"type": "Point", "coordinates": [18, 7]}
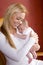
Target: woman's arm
{"type": "Point", "coordinates": [13, 53]}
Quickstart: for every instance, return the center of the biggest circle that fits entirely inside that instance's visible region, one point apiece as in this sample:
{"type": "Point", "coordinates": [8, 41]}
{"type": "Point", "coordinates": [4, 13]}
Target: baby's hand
{"type": "Point", "coordinates": [34, 56]}
{"type": "Point", "coordinates": [30, 60]}
{"type": "Point", "coordinates": [30, 57]}
{"type": "Point", "coordinates": [23, 36]}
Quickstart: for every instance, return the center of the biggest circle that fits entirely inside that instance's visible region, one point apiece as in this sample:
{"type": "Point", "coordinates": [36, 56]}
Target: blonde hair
{"type": "Point", "coordinates": [13, 8]}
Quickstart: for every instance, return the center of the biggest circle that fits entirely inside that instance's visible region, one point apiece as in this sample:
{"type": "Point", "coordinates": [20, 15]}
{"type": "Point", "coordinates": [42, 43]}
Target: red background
{"type": "Point", "coordinates": [34, 17]}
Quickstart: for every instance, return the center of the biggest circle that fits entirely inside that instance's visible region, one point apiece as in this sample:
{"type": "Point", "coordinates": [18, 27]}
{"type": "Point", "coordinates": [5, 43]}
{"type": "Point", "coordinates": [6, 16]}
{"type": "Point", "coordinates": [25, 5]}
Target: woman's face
{"type": "Point", "coordinates": [17, 19]}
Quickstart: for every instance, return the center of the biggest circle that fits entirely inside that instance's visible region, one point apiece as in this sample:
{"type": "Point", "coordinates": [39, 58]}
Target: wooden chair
{"type": "Point", "coordinates": [2, 59]}
{"type": "Point", "coordinates": [1, 21]}
{"type": "Point", "coordinates": [40, 55]}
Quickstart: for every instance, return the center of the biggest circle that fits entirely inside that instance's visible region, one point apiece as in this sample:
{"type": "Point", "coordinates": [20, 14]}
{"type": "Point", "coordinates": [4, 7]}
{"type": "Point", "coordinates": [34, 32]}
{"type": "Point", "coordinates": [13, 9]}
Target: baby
{"type": "Point", "coordinates": [24, 31]}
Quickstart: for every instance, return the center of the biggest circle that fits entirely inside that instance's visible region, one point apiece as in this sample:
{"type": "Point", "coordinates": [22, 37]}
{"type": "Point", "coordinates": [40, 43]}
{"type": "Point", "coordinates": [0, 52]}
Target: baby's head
{"type": "Point", "coordinates": [22, 27]}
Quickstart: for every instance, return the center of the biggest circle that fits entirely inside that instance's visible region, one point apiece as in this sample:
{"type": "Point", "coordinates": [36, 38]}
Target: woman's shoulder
{"type": "Point", "coordinates": [1, 34]}
{"type": "Point", "coordinates": [2, 40]}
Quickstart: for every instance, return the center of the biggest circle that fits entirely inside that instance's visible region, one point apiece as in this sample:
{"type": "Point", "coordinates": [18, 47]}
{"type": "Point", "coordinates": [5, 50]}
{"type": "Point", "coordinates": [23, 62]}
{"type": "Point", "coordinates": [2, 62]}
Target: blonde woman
{"type": "Point", "coordinates": [14, 49]}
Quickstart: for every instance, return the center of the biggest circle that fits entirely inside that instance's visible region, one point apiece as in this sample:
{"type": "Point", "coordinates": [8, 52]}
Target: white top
{"type": "Point", "coordinates": [16, 56]}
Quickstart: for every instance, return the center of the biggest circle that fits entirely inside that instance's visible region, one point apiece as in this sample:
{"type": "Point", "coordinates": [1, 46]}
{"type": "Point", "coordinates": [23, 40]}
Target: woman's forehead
{"type": "Point", "coordinates": [19, 14]}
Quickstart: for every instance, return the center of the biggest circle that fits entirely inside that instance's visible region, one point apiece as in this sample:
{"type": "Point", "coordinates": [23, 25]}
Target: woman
{"type": "Point", "coordinates": [14, 49]}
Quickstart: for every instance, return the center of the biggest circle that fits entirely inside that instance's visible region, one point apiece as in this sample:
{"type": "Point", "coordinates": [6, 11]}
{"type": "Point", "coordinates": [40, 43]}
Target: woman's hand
{"type": "Point", "coordinates": [35, 47]}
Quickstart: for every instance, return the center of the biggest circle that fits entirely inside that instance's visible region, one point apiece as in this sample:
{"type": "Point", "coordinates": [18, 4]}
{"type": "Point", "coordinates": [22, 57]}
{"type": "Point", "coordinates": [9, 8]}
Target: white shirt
{"type": "Point", "coordinates": [15, 56]}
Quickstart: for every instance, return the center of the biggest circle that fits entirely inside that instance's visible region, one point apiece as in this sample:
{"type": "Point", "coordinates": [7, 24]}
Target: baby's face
{"type": "Point", "coordinates": [21, 28]}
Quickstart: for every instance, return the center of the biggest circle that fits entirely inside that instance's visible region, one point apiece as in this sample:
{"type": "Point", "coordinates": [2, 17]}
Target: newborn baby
{"type": "Point", "coordinates": [23, 32]}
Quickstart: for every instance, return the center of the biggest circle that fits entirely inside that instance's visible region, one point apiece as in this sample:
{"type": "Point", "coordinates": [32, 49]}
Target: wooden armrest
{"type": "Point", "coordinates": [39, 53]}
{"type": "Point", "coordinates": [1, 21]}
{"type": "Point", "coordinates": [2, 59]}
